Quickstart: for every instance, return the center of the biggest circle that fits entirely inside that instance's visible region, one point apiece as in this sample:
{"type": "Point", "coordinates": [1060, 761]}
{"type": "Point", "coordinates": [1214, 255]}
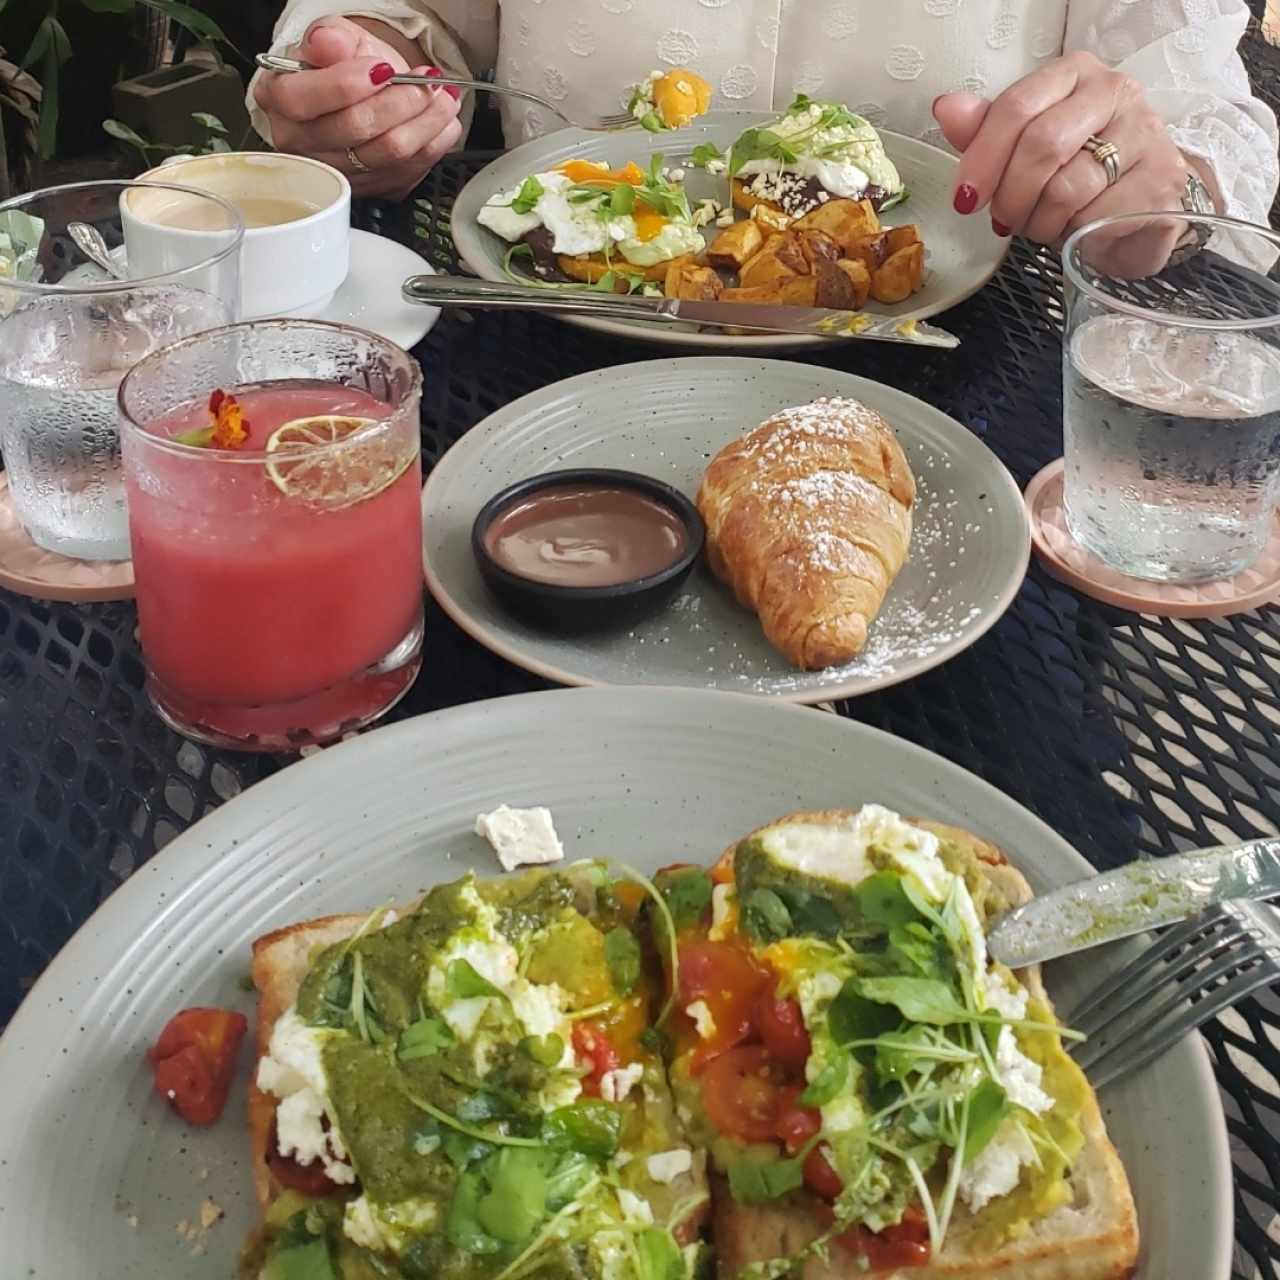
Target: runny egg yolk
{"type": "Point", "coordinates": [648, 223]}
{"type": "Point", "coordinates": [598, 171]}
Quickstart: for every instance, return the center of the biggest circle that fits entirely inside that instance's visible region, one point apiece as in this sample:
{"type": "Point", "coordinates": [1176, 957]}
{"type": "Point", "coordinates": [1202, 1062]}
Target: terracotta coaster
{"type": "Point", "coordinates": [32, 571]}
{"type": "Point", "coordinates": [1063, 557]}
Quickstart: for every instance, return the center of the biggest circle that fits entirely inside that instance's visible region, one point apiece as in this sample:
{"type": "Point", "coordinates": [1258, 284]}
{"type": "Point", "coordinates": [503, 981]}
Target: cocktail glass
{"type": "Point", "coordinates": [279, 583]}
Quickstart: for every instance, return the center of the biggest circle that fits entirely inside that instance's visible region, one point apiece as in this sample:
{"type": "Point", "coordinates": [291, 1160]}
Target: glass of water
{"type": "Point", "coordinates": [1171, 395]}
{"type": "Point", "coordinates": [69, 332]}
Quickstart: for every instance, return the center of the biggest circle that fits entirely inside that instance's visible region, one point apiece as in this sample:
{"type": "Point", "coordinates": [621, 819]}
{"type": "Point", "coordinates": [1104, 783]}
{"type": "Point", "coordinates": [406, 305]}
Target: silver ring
{"type": "Point", "coordinates": [1107, 154]}
{"type": "Point", "coordinates": [357, 165]}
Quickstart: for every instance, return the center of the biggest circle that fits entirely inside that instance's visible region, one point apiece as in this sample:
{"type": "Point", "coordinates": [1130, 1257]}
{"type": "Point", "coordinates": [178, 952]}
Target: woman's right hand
{"type": "Point", "coordinates": [383, 137]}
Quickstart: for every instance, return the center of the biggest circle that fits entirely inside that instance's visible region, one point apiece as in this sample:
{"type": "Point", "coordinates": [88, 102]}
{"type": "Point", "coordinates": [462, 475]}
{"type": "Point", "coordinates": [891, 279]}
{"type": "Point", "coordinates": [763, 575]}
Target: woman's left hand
{"type": "Point", "coordinates": [1024, 158]}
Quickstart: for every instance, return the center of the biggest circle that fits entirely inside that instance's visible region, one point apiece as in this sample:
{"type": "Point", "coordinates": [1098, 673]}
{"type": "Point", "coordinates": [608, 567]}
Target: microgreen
{"type": "Point", "coordinates": [704, 152]}
{"type": "Point", "coordinates": [622, 955]}
{"type": "Point", "coordinates": [531, 191]}
{"type": "Point", "coordinates": [546, 1050]}
{"type": "Point", "coordinates": [765, 916]}
{"type": "Point", "coordinates": [423, 1039]}
{"type": "Point", "coordinates": [463, 982]}
{"type": "Point", "coordinates": [688, 895]}
{"type": "Point", "coordinates": [592, 1128]}
{"type": "Point", "coordinates": [753, 1181]}
{"type": "Point", "coordinates": [829, 1081]}
{"type": "Point", "coordinates": [491, 1136]}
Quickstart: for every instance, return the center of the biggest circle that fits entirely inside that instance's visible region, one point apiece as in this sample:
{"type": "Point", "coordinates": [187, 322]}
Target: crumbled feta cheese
{"type": "Point", "coordinates": [1019, 1075]}
{"type": "Point", "coordinates": [677, 175]}
{"type": "Point", "coordinates": [635, 1208]}
{"type": "Point", "coordinates": [616, 1085]}
{"type": "Point", "coordinates": [702, 1018]}
{"type": "Point", "coordinates": [521, 837]}
{"type": "Point", "coordinates": [621, 1159]}
{"type": "Point", "coordinates": [994, 1171]}
{"type": "Point", "coordinates": [359, 1225]}
{"type": "Point", "coordinates": [721, 911]}
{"type": "Point", "coordinates": [1007, 1003]}
{"type": "Point", "coordinates": [725, 219]}
{"type": "Point", "coordinates": [656, 75]}
{"type": "Point", "coordinates": [387, 1226]}
{"type": "Point", "coordinates": [210, 1212]}
{"type": "Point", "coordinates": [667, 1166]}
{"type": "Point", "coordinates": [716, 166]}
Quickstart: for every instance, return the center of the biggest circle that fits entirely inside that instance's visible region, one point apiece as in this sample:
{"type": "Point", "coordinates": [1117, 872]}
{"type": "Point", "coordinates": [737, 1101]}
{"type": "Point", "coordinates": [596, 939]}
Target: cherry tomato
{"type": "Point", "coordinates": [781, 1027]}
{"type": "Point", "coordinates": [904, 1245]}
{"type": "Point", "coordinates": [796, 1124]}
{"type": "Point", "coordinates": [742, 1093]}
{"type": "Point", "coordinates": [309, 1179]}
{"type": "Point", "coordinates": [594, 1050]}
{"type": "Point", "coordinates": [194, 1061]}
{"type": "Point", "coordinates": [728, 981]}
{"type": "Point", "coordinates": [819, 1176]}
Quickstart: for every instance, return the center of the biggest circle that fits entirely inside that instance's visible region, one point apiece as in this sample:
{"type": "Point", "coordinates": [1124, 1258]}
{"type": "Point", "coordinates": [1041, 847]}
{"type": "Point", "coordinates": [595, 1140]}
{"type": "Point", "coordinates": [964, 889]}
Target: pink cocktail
{"type": "Point", "coordinates": [278, 573]}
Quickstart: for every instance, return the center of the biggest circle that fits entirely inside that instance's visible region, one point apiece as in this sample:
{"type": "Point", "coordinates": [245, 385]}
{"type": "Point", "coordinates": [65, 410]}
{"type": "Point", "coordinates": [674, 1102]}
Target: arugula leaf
{"type": "Point", "coordinates": [703, 152]}
{"type": "Point", "coordinates": [622, 955]}
{"type": "Point", "coordinates": [462, 982]}
{"type": "Point", "coordinates": [852, 1016]}
{"type": "Point", "coordinates": [881, 900]}
{"type": "Point", "coordinates": [760, 144]}
{"type": "Point", "coordinates": [516, 1200]}
{"type": "Point", "coordinates": [546, 1050]}
{"type": "Point", "coordinates": [653, 175]}
{"type": "Point", "coordinates": [899, 1055]}
{"type": "Point", "coordinates": [919, 999]}
{"type": "Point", "coordinates": [758, 1181]}
{"type": "Point", "coordinates": [827, 1083]}
{"type": "Point", "coordinates": [423, 1039]}
{"type": "Point", "coordinates": [917, 951]}
{"type": "Point", "coordinates": [652, 121]}
{"type": "Point", "coordinates": [567, 1177]}
{"type": "Point", "coordinates": [591, 1128]}
{"type": "Point", "coordinates": [688, 895]}
{"type": "Point", "coordinates": [988, 1106]}
{"type": "Point", "coordinates": [896, 198]}
{"type": "Point", "coordinates": [462, 1149]}
{"type": "Point", "coordinates": [622, 198]}
{"type": "Point", "coordinates": [765, 916]}
{"type": "Point", "coordinates": [462, 1226]}
{"type": "Point", "coordinates": [659, 1255]}
{"type": "Point", "coordinates": [531, 191]}
{"type": "Point", "coordinates": [812, 913]}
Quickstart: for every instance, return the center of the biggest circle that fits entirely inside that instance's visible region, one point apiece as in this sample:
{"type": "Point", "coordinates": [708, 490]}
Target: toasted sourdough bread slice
{"type": "Point", "coordinates": [1095, 1237]}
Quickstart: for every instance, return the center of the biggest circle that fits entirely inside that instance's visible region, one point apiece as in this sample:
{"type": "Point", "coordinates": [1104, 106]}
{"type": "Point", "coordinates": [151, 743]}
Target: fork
{"type": "Point", "coordinates": [599, 124]}
{"type": "Point", "coordinates": [1191, 973]}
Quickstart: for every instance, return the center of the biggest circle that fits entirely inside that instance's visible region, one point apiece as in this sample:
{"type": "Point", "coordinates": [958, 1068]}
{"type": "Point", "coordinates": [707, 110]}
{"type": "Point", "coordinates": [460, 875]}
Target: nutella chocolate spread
{"type": "Point", "coordinates": [586, 536]}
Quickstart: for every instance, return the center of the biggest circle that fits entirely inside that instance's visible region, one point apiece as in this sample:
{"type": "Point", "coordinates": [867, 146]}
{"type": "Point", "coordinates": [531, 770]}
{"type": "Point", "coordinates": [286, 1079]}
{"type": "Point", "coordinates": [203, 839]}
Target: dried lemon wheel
{"type": "Point", "coordinates": [328, 473]}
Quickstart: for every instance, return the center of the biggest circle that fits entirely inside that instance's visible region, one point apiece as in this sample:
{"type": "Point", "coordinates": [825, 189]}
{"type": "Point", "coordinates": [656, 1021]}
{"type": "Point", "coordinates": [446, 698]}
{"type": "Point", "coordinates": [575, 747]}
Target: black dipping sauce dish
{"type": "Point", "coordinates": [587, 549]}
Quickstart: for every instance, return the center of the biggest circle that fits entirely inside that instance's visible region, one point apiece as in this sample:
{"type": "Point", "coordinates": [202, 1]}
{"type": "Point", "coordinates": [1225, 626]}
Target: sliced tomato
{"type": "Point", "coordinates": [781, 1027]}
{"type": "Point", "coordinates": [595, 1051]}
{"type": "Point", "coordinates": [905, 1244]}
{"type": "Point", "coordinates": [819, 1176]}
{"type": "Point", "coordinates": [728, 981]}
{"type": "Point", "coordinates": [796, 1124]}
{"type": "Point", "coordinates": [309, 1179]}
{"type": "Point", "coordinates": [194, 1061]}
{"type": "Point", "coordinates": [742, 1093]}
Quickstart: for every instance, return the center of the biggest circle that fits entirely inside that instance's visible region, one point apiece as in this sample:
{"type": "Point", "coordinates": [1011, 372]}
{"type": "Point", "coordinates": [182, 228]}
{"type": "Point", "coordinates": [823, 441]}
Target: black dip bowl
{"type": "Point", "coordinates": [563, 608]}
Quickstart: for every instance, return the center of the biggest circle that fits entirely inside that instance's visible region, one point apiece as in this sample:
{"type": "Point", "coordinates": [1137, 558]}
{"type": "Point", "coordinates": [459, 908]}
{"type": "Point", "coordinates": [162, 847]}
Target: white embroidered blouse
{"type": "Point", "coordinates": [887, 59]}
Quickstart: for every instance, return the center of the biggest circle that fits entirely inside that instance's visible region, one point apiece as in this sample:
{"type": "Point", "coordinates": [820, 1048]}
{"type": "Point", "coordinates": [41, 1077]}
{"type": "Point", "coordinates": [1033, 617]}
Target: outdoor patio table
{"type": "Point", "coordinates": [1129, 735]}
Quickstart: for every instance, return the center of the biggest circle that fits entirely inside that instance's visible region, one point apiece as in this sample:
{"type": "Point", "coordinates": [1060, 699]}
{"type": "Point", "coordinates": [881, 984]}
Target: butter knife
{"type": "Point", "coordinates": [1139, 896]}
{"type": "Point", "coordinates": [815, 322]}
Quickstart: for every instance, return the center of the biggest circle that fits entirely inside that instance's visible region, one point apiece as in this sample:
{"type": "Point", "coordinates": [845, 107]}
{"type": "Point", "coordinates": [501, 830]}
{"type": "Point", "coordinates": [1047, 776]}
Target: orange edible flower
{"type": "Point", "coordinates": [230, 429]}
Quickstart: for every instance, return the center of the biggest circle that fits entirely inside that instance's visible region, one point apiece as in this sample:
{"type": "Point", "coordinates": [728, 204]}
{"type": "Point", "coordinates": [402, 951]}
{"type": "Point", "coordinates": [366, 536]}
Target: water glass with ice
{"type": "Point", "coordinates": [1171, 394]}
{"type": "Point", "coordinates": [69, 332]}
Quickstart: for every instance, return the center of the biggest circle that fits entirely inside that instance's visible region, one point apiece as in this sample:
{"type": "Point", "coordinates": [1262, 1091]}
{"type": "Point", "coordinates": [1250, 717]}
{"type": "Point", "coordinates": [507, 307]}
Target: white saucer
{"type": "Point", "coordinates": [370, 296]}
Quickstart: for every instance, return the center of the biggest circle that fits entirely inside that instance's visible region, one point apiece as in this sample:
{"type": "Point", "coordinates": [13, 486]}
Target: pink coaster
{"type": "Point", "coordinates": [1063, 557]}
{"type": "Point", "coordinates": [32, 571]}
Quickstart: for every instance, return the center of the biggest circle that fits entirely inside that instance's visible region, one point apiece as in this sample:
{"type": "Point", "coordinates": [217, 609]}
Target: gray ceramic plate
{"type": "Point", "coordinates": [96, 1173]}
{"type": "Point", "coordinates": [963, 253]}
{"type": "Point", "coordinates": [667, 418]}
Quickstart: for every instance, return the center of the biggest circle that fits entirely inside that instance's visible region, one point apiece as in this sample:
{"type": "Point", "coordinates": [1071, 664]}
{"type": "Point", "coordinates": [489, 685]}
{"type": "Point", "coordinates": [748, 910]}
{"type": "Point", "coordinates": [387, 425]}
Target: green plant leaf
{"type": "Point", "coordinates": [423, 1039]}
{"type": "Point", "coordinates": [759, 1181]}
{"type": "Point", "coordinates": [988, 1106]}
{"type": "Point", "coordinates": [881, 900]}
{"type": "Point", "coordinates": [919, 999]}
{"type": "Point", "coordinates": [704, 152]}
{"type": "Point", "coordinates": [531, 191]}
{"type": "Point", "coordinates": [854, 1017]}
{"type": "Point", "coordinates": [546, 1050]}
{"type": "Point", "coordinates": [109, 6]}
{"type": "Point", "coordinates": [765, 916]}
{"type": "Point", "coordinates": [622, 955]}
{"type": "Point", "coordinates": [659, 1255]}
{"type": "Point", "coordinates": [199, 24]}
{"type": "Point", "coordinates": [463, 982]}
{"type": "Point", "coordinates": [219, 144]}
{"type": "Point", "coordinates": [516, 1201]}
{"type": "Point", "coordinates": [567, 1177]}
{"type": "Point", "coordinates": [827, 1083]}
{"type": "Point", "coordinates": [210, 122]}
{"type": "Point", "coordinates": [591, 1128]}
{"type": "Point", "coordinates": [688, 895]}
{"type": "Point", "coordinates": [462, 1226]}
{"type": "Point", "coordinates": [40, 43]}
{"type": "Point", "coordinates": [622, 199]}
{"type": "Point", "coordinates": [117, 129]}
{"type": "Point", "coordinates": [918, 952]}
{"type": "Point", "coordinates": [47, 133]}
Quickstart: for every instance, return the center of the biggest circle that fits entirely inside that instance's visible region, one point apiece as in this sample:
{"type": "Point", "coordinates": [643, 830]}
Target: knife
{"type": "Point", "coordinates": [1139, 896]}
{"type": "Point", "coordinates": [816, 322]}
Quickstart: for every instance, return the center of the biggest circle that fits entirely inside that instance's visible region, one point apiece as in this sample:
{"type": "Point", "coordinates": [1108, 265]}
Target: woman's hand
{"type": "Point", "coordinates": [1023, 157]}
{"type": "Point", "coordinates": [383, 137]}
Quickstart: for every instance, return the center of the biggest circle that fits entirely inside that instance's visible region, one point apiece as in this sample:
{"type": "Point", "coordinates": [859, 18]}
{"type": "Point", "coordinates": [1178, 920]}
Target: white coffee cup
{"type": "Point", "coordinates": [297, 213]}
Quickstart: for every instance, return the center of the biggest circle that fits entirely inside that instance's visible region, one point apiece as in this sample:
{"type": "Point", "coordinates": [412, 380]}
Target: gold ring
{"type": "Point", "coordinates": [357, 165]}
{"type": "Point", "coordinates": [1107, 154]}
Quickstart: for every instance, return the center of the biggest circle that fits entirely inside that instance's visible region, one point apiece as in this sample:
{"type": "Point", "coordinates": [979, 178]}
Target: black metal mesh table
{"type": "Point", "coordinates": [1129, 735]}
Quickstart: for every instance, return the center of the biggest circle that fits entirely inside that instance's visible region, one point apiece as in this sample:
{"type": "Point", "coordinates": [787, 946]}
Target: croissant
{"type": "Point", "coordinates": [808, 520]}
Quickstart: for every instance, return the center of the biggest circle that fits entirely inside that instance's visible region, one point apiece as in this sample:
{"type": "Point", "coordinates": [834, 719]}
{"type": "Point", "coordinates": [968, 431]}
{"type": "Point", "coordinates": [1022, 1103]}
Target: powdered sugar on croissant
{"type": "Point", "coordinates": [808, 520]}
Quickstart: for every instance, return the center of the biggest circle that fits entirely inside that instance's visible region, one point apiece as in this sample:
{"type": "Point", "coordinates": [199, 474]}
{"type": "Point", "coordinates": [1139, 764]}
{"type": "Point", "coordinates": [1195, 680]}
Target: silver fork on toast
{"type": "Point", "coordinates": [1190, 974]}
{"type": "Point", "coordinates": [596, 124]}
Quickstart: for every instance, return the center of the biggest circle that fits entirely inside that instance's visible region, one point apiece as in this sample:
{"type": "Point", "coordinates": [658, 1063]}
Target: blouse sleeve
{"type": "Point", "coordinates": [1185, 53]}
{"type": "Point", "coordinates": [458, 36]}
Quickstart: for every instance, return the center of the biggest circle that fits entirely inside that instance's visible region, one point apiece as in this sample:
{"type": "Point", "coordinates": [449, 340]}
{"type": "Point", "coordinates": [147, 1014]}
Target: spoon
{"type": "Point", "coordinates": [90, 242]}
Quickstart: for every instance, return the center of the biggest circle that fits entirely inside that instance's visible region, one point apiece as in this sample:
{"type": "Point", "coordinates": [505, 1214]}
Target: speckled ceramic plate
{"type": "Point", "coordinates": [963, 253]}
{"type": "Point", "coordinates": [96, 1174]}
{"type": "Point", "coordinates": [667, 418]}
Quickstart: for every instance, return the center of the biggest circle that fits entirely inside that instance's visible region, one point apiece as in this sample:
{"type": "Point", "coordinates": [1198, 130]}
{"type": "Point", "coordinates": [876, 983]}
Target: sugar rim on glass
{"type": "Point", "coordinates": [34, 287]}
{"type": "Point", "coordinates": [259, 457]}
{"type": "Point", "coordinates": [1077, 280]}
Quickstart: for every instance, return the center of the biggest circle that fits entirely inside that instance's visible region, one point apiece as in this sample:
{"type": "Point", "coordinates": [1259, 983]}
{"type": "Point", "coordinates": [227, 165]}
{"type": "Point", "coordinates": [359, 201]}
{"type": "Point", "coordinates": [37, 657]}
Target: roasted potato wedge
{"type": "Point", "coordinates": [781, 258]}
{"type": "Point", "coordinates": [870, 250]}
{"type": "Point", "coordinates": [900, 276]}
{"type": "Point", "coordinates": [590, 267]}
{"type": "Point", "coordinates": [689, 280]}
{"type": "Point", "coordinates": [817, 247]}
{"type": "Point", "coordinates": [835, 288]}
{"type": "Point", "coordinates": [798, 291]}
{"type": "Point", "coordinates": [900, 237]}
{"type": "Point", "coordinates": [860, 278]}
{"type": "Point", "coordinates": [843, 220]}
{"type": "Point", "coordinates": [736, 245]}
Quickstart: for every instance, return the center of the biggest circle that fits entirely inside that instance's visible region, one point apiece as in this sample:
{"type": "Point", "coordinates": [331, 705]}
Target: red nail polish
{"type": "Point", "coordinates": [381, 72]}
{"type": "Point", "coordinates": [999, 228]}
{"type": "Point", "coordinates": [453, 91]}
{"type": "Point", "coordinates": [433, 72]}
{"type": "Point", "coordinates": [966, 200]}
